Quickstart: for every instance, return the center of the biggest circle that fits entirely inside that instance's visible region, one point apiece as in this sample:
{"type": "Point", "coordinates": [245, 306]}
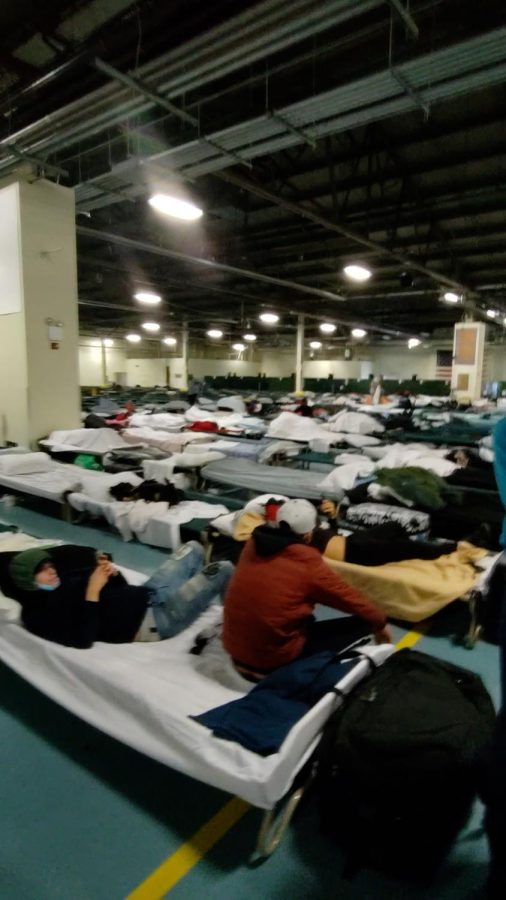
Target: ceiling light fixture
{"type": "Point", "coordinates": [108, 342]}
{"type": "Point", "coordinates": [214, 333]}
{"type": "Point", "coordinates": [170, 341]}
{"type": "Point", "coordinates": [269, 318]}
{"type": "Point", "coordinates": [173, 206]}
{"type": "Point", "coordinates": [150, 326]}
{"type": "Point", "coordinates": [414, 342]}
{"type": "Point", "coordinates": [315, 345]}
{"type": "Point", "coordinates": [133, 338]}
{"type": "Point", "coordinates": [358, 332]}
{"type": "Point", "coordinates": [451, 297]}
{"type": "Point", "coordinates": [148, 298]}
{"type": "Point", "coordinates": [357, 273]}
{"type": "Point", "coordinates": [491, 313]}
{"type": "Point", "coordinates": [249, 337]}
{"type": "Point", "coordinates": [327, 327]}
{"type": "Point", "coordinates": [238, 347]}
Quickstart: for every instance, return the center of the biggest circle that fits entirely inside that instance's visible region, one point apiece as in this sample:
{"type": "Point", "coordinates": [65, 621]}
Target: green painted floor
{"type": "Point", "coordinates": [85, 818]}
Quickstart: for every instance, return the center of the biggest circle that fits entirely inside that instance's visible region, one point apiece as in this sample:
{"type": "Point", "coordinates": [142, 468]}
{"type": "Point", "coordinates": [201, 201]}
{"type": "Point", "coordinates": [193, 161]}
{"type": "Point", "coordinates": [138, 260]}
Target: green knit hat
{"type": "Point", "coordinates": [23, 567]}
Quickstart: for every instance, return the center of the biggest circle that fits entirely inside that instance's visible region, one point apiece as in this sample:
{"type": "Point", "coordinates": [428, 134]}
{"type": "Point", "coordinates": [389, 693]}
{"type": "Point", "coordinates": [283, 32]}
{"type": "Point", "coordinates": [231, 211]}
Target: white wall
{"type": "Point", "coordinates": [90, 362]}
{"type": "Point", "coordinates": [394, 362]}
{"type": "Point", "coordinates": [496, 362]}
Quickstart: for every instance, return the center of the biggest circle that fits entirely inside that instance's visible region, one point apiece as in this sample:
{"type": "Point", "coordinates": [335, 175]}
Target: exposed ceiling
{"type": "Point", "coordinates": [312, 135]}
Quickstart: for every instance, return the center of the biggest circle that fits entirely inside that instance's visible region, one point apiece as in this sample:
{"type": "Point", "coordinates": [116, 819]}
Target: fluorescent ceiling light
{"type": "Point", "coordinates": [327, 327]}
{"type": "Point", "coordinates": [133, 338]}
{"type": "Point", "coordinates": [170, 341]}
{"type": "Point", "coordinates": [249, 337]}
{"type": "Point", "coordinates": [315, 345]}
{"type": "Point", "coordinates": [451, 297]}
{"type": "Point", "coordinates": [414, 342]}
{"type": "Point", "coordinates": [151, 326]}
{"type": "Point", "coordinates": [269, 318]}
{"type": "Point", "coordinates": [238, 347]}
{"type": "Point", "coordinates": [108, 342]}
{"type": "Point", "coordinates": [491, 313]}
{"type": "Point", "coordinates": [358, 332]}
{"type": "Point", "coordinates": [357, 273]}
{"type": "Point", "coordinates": [214, 333]}
{"type": "Point", "coordinates": [172, 206]}
{"type": "Point", "coordinates": [148, 298]}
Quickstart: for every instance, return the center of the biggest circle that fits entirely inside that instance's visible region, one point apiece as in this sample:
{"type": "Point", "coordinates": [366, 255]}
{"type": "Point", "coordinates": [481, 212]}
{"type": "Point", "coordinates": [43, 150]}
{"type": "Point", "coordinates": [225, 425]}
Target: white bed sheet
{"type": "Point", "coordinates": [149, 523]}
{"type": "Point", "coordinates": [143, 694]}
{"type": "Point", "coordinates": [49, 485]}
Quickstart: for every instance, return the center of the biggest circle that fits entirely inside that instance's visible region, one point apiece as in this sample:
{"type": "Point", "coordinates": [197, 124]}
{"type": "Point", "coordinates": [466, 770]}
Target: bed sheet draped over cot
{"type": "Point", "coordinates": [240, 473]}
{"type": "Point", "coordinates": [143, 695]}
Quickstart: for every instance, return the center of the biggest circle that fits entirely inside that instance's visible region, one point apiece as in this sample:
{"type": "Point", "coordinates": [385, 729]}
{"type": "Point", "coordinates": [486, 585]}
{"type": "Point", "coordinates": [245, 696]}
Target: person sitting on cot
{"type": "Point", "coordinates": [279, 579]}
{"type": "Point", "coordinates": [75, 595]}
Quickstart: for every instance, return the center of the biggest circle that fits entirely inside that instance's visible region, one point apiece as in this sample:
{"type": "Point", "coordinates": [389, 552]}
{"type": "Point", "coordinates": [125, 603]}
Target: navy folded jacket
{"type": "Point", "coordinates": [261, 720]}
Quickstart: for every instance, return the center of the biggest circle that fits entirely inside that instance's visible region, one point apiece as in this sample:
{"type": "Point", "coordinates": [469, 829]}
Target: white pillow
{"type": "Point", "coordinates": [25, 463]}
{"type": "Point", "coordinates": [257, 505]}
{"type": "Point", "coordinates": [10, 610]}
{"type": "Point", "coordinates": [225, 524]}
{"type": "Point", "coordinates": [98, 488]}
{"type": "Point", "coordinates": [196, 459]}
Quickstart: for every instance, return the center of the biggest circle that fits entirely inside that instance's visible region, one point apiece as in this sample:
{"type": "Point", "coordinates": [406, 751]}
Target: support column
{"type": "Point", "coordinates": [105, 379]}
{"type": "Point", "coordinates": [468, 359]}
{"type": "Point", "coordinates": [299, 354]}
{"type": "Point", "coordinates": [39, 371]}
{"type": "Point", "coordinates": [184, 354]}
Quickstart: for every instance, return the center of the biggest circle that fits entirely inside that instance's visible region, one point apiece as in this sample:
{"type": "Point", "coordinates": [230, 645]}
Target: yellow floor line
{"type": "Point", "coordinates": [176, 866]}
{"type": "Point", "coordinates": [188, 854]}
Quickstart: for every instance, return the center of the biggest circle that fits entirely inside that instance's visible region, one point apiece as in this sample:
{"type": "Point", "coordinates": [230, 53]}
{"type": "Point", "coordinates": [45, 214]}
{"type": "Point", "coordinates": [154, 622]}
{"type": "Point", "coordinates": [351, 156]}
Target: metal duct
{"type": "Point", "coordinates": [265, 29]}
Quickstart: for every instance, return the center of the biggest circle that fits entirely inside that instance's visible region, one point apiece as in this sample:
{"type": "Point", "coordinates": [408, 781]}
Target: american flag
{"type": "Point", "coordinates": [444, 362]}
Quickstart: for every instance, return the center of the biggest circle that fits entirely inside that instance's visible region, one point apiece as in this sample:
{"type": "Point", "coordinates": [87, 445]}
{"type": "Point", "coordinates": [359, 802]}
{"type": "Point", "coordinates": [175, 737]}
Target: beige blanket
{"type": "Point", "coordinates": [415, 588]}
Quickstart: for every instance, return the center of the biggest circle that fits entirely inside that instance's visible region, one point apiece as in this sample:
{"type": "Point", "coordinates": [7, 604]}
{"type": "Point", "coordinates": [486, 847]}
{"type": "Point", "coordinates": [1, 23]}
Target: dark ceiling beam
{"type": "Point", "coordinates": [410, 143]}
{"type": "Point", "coordinates": [293, 286]}
{"type": "Point", "coordinates": [361, 240]}
{"type": "Point", "coordinates": [142, 246]}
{"type": "Point", "coordinates": [161, 279]}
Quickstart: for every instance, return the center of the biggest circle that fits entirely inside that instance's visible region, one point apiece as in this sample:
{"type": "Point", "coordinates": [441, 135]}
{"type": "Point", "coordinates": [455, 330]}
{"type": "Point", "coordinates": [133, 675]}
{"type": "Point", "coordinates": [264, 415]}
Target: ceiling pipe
{"type": "Point", "coordinates": [23, 94]}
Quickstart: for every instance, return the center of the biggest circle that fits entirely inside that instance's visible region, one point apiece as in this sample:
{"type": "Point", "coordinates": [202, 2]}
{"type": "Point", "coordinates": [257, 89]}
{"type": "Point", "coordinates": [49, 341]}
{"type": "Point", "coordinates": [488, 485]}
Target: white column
{"type": "Point", "coordinates": [184, 354]}
{"type": "Point", "coordinates": [468, 359]}
{"type": "Point", "coordinates": [105, 379]}
{"type": "Point", "coordinates": [39, 372]}
{"type": "Point", "coordinates": [299, 354]}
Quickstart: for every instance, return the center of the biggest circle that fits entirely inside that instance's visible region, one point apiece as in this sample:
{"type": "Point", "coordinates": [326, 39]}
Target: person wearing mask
{"type": "Point", "coordinates": [74, 595]}
{"type": "Point", "coordinates": [269, 604]}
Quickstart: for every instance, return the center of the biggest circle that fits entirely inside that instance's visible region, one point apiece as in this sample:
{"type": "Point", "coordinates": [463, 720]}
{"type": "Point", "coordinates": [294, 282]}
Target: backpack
{"type": "Point", "coordinates": [398, 764]}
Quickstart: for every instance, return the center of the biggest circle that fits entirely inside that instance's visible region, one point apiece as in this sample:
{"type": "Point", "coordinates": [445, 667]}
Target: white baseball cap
{"type": "Point", "coordinates": [299, 515]}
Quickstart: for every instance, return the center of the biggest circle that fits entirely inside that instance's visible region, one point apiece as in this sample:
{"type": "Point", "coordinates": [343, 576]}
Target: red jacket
{"type": "Point", "coordinates": [271, 598]}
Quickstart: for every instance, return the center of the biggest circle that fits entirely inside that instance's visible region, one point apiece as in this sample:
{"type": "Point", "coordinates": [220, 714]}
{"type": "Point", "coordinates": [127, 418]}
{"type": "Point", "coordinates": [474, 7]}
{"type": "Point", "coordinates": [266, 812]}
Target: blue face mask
{"type": "Point", "coordinates": [49, 587]}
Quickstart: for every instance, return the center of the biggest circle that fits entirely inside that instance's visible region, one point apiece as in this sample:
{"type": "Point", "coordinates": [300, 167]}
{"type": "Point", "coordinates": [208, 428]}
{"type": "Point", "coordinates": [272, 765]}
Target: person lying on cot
{"type": "Point", "coordinates": [75, 595]}
{"type": "Point", "coordinates": [121, 419]}
{"type": "Point", "coordinates": [373, 546]}
{"type": "Point", "coordinates": [280, 577]}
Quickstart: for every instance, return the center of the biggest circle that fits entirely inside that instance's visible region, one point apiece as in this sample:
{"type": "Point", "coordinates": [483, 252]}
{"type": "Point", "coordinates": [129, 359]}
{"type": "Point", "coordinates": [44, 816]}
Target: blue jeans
{"type": "Point", "coordinates": [182, 588]}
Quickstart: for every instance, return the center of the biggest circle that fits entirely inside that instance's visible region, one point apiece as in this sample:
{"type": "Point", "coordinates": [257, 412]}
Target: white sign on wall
{"type": "Point", "coordinates": [11, 288]}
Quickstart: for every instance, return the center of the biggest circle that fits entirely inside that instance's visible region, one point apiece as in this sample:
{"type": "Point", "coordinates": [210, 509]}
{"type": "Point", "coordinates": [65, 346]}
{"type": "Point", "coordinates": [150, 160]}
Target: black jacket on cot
{"type": "Point", "coordinates": [64, 615]}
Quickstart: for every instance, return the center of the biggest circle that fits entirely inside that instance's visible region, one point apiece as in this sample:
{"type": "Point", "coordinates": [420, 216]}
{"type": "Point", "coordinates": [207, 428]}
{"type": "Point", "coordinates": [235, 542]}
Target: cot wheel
{"type": "Point", "coordinates": [274, 823]}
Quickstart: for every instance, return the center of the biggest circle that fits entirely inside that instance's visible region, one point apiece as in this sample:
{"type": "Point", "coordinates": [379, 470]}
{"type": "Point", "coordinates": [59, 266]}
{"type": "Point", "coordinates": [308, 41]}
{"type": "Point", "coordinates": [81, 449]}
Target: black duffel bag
{"type": "Point", "coordinates": [399, 764]}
